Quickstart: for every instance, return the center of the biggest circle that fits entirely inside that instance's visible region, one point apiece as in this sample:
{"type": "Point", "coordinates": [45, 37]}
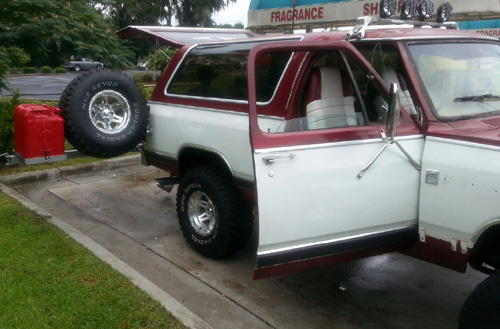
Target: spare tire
{"type": "Point", "coordinates": [105, 113]}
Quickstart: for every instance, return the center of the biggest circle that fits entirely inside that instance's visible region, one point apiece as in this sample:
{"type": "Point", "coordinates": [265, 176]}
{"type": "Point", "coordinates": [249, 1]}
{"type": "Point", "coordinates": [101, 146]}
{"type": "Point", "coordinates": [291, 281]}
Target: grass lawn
{"type": "Point", "coordinates": [47, 280]}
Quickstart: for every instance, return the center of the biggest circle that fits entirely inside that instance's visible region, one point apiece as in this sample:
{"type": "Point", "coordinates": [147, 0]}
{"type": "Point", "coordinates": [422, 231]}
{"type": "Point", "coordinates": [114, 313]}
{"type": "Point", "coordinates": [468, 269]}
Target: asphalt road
{"type": "Point", "coordinates": [44, 86]}
{"type": "Point", "coordinates": [125, 212]}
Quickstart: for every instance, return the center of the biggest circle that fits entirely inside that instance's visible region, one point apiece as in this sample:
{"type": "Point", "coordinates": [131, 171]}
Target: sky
{"type": "Point", "coordinates": [235, 12]}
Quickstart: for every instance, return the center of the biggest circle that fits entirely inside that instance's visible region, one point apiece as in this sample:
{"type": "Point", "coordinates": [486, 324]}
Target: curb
{"type": "Point", "coordinates": [188, 318]}
{"type": "Point", "coordinates": [62, 172]}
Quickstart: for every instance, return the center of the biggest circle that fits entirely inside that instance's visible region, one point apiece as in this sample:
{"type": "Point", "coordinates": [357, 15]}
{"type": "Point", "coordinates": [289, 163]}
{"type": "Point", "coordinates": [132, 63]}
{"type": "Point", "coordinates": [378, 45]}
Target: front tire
{"type": "Point", "coordinates": [214, 219]}
{"type": "Point", "coordinates": [105, 113]}
{"type": "Point", "coordinates": [481, 310]}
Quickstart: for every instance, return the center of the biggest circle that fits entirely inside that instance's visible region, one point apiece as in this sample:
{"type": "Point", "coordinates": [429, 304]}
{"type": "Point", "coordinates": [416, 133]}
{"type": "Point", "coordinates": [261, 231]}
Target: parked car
{"type": "Point", "coordinates": [343, 146]}
{"type": "Point", "coordinates": [83, 64]}
{"type": "Point", "coordinates": [142, 66]}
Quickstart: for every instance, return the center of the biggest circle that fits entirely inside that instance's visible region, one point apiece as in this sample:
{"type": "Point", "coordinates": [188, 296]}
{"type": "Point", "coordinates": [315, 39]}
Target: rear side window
{"type": "Point", "coordinates": [220, 72]}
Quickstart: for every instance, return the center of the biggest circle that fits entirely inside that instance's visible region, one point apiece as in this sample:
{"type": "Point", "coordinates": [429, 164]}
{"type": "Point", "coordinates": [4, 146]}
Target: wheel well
{"type": "Point", "coordinates": [193, 157]}
{"type": "Point", "coordinates": [485, 256]}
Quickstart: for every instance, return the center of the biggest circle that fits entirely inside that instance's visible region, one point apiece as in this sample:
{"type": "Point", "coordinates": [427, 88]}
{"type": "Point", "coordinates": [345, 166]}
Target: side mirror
{"type": "Point", "coordinates": [388, 135]}
{"type": "Point", "coordinates": [392, 112]}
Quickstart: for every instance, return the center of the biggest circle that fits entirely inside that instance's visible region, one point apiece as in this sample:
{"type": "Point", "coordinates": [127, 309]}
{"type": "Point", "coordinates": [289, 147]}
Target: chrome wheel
{"type": "Point", "coordinates": [202, 214]}
{"type": "Point", "coordinates": [109, 111]}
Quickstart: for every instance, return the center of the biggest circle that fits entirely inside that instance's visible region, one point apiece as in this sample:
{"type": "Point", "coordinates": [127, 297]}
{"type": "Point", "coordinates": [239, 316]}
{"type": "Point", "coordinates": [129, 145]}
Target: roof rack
{"type": "Point", "coordinates": [362, 23]}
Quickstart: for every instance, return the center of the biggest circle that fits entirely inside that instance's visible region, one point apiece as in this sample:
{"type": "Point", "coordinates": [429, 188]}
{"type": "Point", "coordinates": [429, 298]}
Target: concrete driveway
{"type": "Point", "coordinates": [124, 211]}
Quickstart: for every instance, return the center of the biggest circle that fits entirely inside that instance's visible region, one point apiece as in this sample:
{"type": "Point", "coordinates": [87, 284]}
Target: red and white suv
{"type": "Point", "coordinates": [342, 146]}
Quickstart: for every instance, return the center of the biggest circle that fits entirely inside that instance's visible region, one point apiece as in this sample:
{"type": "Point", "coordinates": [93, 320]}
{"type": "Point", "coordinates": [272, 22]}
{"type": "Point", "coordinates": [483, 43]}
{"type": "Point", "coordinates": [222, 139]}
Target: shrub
{"type": "Point", "coordinates": [16, 57]}
{"type": "Point", "coordinates": [143, 77]}
{"type": "Point", "coordinates": [7, 107]}
{"type": "Point", "coordinates": [29, 70]}
{"type": "Point", "coordinates": [45, 69]}
{"type": "Point", "coordinates": [13, 70]}
{"type": "Point", "coordinates": [159, 60]}
{"type": "Point", "coordinates": [147, 91]}
{"type": "Point", "coordinates": [60, 70]}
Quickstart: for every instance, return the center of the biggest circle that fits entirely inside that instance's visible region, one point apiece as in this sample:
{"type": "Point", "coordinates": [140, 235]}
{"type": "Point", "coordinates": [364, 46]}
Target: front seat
{"type": "Point", "coordinates": [329, 101]}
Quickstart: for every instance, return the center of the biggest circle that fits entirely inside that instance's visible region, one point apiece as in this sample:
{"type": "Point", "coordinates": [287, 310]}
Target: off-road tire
{"type": "Point", "coordinates": [92, 105]}
{"type": "Point", "coordinates": [231, 217]}
{"type": "Point", "coordinates": [481, 310]}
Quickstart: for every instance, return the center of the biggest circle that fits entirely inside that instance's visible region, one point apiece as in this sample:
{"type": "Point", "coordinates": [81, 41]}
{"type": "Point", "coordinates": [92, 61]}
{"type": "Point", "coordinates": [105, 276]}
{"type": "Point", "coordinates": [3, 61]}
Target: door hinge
{"type": "Point", "coordinates": [421, 234]}
{"type": "Point", "coordinates": [455, 242]}
{"type": "Point", "coordinates": [463, 245]}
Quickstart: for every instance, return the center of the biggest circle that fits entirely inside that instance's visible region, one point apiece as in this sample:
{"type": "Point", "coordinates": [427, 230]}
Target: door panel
{"type": "Point", "coordinates": [463, 198]}
{"type": "Point", "coordinates": [311, 194]}
{"type": "Point", "coordinates": [311, 203]}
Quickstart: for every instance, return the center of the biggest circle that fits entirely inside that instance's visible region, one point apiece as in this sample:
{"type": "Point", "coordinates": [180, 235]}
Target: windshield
{"type": "Point", "coordinates": [462, 79]}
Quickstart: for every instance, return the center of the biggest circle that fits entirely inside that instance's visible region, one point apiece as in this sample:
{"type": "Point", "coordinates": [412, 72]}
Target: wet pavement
{"type": "Point", "coordinates": [124, 211]}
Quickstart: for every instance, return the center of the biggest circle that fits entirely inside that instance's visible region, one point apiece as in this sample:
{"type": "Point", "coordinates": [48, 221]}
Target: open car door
{"type": "Point", "coordinates": [331, 187]}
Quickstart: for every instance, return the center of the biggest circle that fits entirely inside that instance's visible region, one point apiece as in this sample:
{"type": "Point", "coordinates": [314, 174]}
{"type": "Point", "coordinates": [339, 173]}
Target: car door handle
{"type": "Point", "coordinates": [271, 159]}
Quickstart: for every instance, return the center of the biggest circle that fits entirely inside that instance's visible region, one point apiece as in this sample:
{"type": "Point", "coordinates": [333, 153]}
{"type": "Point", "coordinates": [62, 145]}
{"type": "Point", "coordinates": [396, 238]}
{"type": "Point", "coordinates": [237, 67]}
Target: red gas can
{"type": "Point", "coordinates": [38, 131]}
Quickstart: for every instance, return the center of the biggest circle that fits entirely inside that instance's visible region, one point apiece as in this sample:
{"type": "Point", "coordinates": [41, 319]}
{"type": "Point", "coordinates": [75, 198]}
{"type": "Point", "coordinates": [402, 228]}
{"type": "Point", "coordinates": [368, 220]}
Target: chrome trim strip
{"type": "Point", "coordinates": [463, 143]}
{"type": "Point", "coordinates": [296, 79]}
{"type": "Point", "coordinates": [177, 68]}
{"type": "Point", "coordinates": [476, 236]}
{"type": "Point", "coordinates": [426, 38]}
{"type": "Point", "coordinates": [196, 108]}
{"type": "Point", "coordinates": [306, 245]}
{"type": "Point", "coordinates": [335, 144]}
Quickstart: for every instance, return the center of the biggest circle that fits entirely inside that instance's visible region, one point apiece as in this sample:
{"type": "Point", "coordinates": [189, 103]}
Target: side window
{"type": "Point", "coordinates": [387, 61]}
{"type": "Point", "coordinates": [268, 71]}
{"type": "Point", "coordinates": [220, 72]}
{"type": "Point", "coordinates": [212, 75]}
{"type": "Point", "coordinates": [335, 93]}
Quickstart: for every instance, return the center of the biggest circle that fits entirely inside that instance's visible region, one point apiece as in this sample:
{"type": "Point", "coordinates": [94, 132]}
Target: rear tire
{"type": "Point", "coordinates": [105, 113]}
{"type": "Point", "coordinates": [213, 217]}
{"type": "Point", "coordinates": [481, 310]}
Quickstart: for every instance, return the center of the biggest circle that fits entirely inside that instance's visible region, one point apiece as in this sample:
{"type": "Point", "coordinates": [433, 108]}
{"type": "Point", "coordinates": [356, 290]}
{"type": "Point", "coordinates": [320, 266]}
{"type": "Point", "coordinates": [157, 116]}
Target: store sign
{"type": "Point", "coordinates": [490, 32]}
{"type": "Point", "coordinates": [315, 14]}
{"type": "Point", "coordinates": [308, 14]}
{"type": "Point", "coordinates": [348, 11]}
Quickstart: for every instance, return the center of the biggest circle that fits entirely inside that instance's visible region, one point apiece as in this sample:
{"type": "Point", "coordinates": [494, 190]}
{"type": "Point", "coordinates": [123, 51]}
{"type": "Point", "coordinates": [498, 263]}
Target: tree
{"type": "Point", "coordinates": [133, 12]}
{"type": "Point", "coordinates": [50, 31]}
{"type": "Point", "coordinates": [154, 12]}
{"type": "Point", "coordinates": [197, 12]}
{"type": "Point", "coordinates": [3, 69]}
{"type": "Point", "coordinates": [237, 25]}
